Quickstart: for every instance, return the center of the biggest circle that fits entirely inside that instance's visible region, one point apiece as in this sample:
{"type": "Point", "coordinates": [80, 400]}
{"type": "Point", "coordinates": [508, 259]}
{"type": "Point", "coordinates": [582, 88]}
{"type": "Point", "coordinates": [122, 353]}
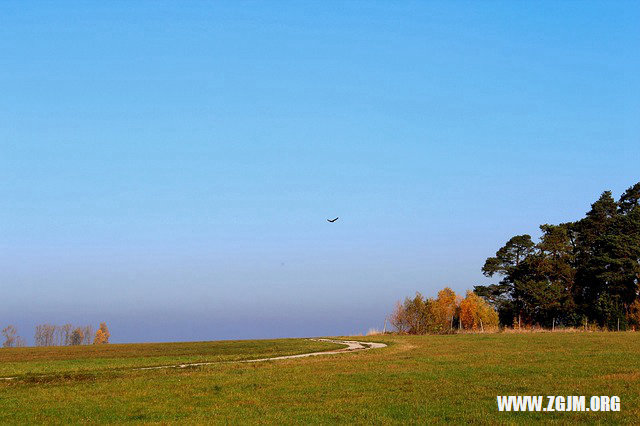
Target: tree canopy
{"type": "Point", "coordinates": [587, 270]}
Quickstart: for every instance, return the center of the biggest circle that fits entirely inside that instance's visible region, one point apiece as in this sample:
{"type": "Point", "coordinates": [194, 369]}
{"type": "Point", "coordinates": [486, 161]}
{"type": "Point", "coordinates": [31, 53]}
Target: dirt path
{"type": "Point", "coordinates": [351, 346]}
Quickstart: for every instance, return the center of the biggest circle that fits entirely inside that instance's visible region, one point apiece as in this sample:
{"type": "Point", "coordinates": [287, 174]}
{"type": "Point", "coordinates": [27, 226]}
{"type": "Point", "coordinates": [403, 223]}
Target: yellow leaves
{"type": "Point", "coordinates": [100, 338]}
{"type": "Point", "coordinates": [444, 314]}
{"type": "Point", "coordinates": [475, 313]}
{"type": "Point", "coordinates": [102, 335]}
{"type": "Point", "coordinates": [444, 308]}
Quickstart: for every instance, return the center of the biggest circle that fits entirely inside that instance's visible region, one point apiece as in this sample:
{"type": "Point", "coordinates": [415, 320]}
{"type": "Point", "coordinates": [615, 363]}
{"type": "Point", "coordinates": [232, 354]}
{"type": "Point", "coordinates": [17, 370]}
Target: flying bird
{"type": "Point", "coordinates": [332, 220]}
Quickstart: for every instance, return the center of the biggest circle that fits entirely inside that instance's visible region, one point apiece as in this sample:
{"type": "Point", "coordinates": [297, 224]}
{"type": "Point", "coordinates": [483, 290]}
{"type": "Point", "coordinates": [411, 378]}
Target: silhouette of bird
{"type": "Point", "coordinates": [332, 220]}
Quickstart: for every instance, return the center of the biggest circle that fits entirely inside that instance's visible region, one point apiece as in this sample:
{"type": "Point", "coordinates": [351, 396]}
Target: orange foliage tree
{"type": "Point", "coordinates": [444, 314]}
{"type": "Point", "coordinates": [102, 335]}
{"type": "Point", "coordinates": [476, 314]}
{"type": "Point", "coordinates": [444, 309]}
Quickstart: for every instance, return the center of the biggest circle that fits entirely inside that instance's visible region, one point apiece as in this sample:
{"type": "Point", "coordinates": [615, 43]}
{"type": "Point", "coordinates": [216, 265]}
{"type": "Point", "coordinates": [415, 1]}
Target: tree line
{"type": "Point", "coordinates": [584, 273]}
{"type": "Point", "coordinates": [577, 273]}
{"type": "Point", "coordinates": [444, 314]}
{"type": "Point", "coordinates": [58, 335]}
{"type": "Point", "coordinates": [62, 335]}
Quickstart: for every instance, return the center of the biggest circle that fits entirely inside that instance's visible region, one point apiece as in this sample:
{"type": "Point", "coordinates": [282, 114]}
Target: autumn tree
{"type": "Point", "coordinates": [417, 311]}
{"type": "Point", "coordinates": [468, 311]}
{"type": "Point", "coordinates": [444, 309]}
{"type": "Point", "coordinates": [77, 336]}
{"type": "Point", "coordinates": [413, 316]}
{"type": "Point", "coordinates": [102, 335]}
{"type": "Point", "coordinates": [420, 315]}
{"type": "Point", "coordinates": [476, 313]}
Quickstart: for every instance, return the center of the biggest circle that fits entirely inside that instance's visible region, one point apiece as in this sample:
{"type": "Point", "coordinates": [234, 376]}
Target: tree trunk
{"type": "Point", "coordinates": [519, 322]}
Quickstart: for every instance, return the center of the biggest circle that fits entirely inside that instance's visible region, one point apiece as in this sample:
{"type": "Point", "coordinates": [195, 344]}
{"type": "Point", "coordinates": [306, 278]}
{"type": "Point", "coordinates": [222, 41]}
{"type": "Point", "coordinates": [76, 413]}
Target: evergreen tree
{"type": "Point", "coordinates": [585, 269]}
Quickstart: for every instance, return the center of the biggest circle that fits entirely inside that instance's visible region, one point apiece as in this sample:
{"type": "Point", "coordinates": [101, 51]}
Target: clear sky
{"type": "Point", "coordinates": [167, 167]}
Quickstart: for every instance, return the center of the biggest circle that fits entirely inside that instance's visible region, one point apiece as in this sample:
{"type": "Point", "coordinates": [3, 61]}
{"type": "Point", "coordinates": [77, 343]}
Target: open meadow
{"type": "Point", "coordinates": [453, 378]}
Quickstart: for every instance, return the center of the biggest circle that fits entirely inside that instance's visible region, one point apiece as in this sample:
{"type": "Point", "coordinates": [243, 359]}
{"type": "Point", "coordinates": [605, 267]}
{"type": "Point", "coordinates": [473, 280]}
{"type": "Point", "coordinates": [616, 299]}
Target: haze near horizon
{"type": "Point", "coordinates": [168, 168]}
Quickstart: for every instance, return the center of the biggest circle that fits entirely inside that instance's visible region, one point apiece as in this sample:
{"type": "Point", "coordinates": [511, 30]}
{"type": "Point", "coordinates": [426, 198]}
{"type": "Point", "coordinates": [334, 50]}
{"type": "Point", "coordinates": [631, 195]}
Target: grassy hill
{"type": "Point", "coordinates": [415, 379]}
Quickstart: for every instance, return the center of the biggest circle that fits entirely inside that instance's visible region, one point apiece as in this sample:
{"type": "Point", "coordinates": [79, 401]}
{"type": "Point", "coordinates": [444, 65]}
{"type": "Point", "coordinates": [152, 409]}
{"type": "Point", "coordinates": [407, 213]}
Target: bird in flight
{"type": "Point", "coordinates": [332, 220]}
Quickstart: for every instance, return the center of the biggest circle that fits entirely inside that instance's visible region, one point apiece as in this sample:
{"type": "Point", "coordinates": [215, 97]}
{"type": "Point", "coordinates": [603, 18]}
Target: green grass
{"type": "Point", "coordinates": [92, 358]}
{"type": "Point", "coordinates": [415, 380]}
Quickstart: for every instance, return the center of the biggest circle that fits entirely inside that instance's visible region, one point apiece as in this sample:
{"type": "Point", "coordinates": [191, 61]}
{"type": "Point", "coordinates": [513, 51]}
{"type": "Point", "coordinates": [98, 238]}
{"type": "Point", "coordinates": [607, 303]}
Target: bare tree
{"type": "Point", "coordinates": [50, 334]}
{"type": "Point", "coordinates": [11, 338]}
{"type": "Point", "coordinates": [87, 332]}
{"type": "Point", "coordinates": [45, 335]}
{"type": "Point", "coordinates": [64, 333]}
{"type": "Point", "coordinates": [38, 338]}
{"type": "Point", "coordinates": [399, 318]}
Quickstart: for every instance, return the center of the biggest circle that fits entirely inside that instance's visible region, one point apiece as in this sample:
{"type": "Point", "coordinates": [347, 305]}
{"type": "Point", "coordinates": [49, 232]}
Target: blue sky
{"type": "Point", "coordinates": [167, 167]}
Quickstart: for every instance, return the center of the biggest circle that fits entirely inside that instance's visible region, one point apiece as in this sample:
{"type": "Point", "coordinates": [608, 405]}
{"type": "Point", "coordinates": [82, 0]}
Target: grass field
{"type": "Point", "coordinates": [95, 358]}
{"type": "Point", "coordinates": [416, 379]}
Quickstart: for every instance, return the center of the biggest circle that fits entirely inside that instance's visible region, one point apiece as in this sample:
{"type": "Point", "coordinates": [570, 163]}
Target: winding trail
{"type": "Point", "coordinates": [351, 346]}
